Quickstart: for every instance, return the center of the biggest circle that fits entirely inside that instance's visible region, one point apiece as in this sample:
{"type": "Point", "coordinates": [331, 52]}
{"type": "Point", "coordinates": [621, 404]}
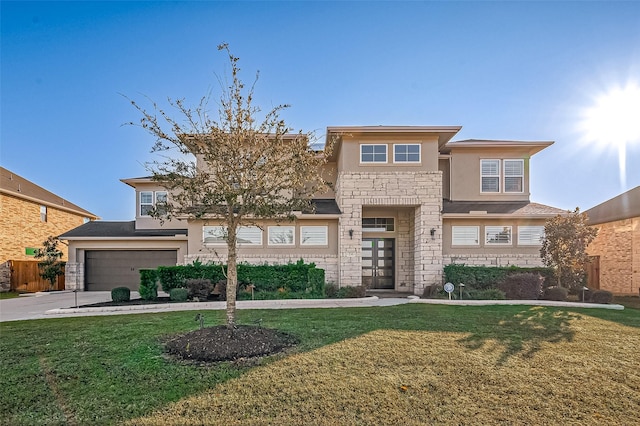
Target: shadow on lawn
{"type": "Point", "coordinates": [526, 332]}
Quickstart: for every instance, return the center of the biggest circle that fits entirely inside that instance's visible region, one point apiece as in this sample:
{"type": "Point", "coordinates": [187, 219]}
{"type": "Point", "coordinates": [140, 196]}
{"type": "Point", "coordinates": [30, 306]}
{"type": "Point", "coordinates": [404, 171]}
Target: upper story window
{"type": "Point", "coordinates": [43, 213]}
{"type": "Point", "coordinates": [406, 153]}
{"type": "Point", "coordinates": [510, 180]}
{"type": "Point", "coordinates": [490, 179]}
{"type": "Point", "coordinates": [530, 235]}
{"type": "Point", "coordinates": [377, 224]}
{"type": "Point", "coordinates": [465, 235]}
{"type": "Point", "coordinates": [373, 153]}
{"type": "Point", "coordinates": [149, 199]}
{"type": "Point", "coordinates": [497, 235]}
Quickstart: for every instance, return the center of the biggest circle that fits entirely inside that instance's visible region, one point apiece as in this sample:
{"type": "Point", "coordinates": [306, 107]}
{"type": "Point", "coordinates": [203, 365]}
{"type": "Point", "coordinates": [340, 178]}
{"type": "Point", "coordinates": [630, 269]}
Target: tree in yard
{"type": "Point", "coordinates": [564, 247]}
{"type": "Point", "coordinates": [239, 168]}
{"type": "Point", "coordinates": [51, 267]}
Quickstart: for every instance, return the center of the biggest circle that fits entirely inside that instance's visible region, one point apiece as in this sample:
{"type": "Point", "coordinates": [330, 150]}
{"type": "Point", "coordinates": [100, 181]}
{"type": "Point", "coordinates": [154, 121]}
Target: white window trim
{"type": "Point", "coordinates": [291, 229]}
{"type": "Point", "coordinates": [216, 243]}
{"type": "Point", "coordinates": [242, 229]}
{"type": "Point", "coordinates": [491, 176]}
{"type": "Point", "coordinates": [529, 242]}
{"type": "Point", "coordinates": [453, 242]}
{"type": "Point", "coordinates": [386, 153]}
{"type": "Point", "coordinates": [154, 200]}
{"type": "Point", "coordinates": [407, 162]}
{"type": "Point", "coordinates": [504, 175]}
{"type": "Point", "coordinates": [501, 227]}
{"type": "Point", "coordinates": [325, 231]}
{"type": "Point", "coordinates": [44, 213]}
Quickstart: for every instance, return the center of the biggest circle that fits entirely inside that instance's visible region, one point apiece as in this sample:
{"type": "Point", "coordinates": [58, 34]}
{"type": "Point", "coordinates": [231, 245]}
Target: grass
{"type": "Point", "coordinates": [9, 295]}
{"type": "Point", "coordinates": [410, 364]}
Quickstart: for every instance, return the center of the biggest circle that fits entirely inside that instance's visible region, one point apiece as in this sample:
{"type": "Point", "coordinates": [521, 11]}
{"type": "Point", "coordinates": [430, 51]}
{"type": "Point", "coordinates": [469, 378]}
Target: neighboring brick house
{"type": "Point", "coordinates": [29, 214]}
{"type": "Point", "coordinates": [406, 201]}
{"type": "Point", "coordinates": [615, 252]}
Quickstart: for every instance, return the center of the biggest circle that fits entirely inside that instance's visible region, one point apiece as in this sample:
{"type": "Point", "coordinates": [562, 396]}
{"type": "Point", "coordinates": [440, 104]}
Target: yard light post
{"type": "Point", "coordinates": [75, 295]}
{"type": "Point", "coordinates": [583, 290]}
{"type": "Point", "coordinates": [461, 285]}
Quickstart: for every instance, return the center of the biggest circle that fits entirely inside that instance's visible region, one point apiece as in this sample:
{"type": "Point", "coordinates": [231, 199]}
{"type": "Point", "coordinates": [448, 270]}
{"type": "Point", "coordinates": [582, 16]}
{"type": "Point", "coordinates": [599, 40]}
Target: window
{"type": "Point", "coordinates": [247, 235]}
{"type": "Point", "coordinates": [149, 199]}
{"type": "Point", "coordinates": [530, 235]}
{"type": "Point", "coordinates": [373, 153]}
{"type": "Point", "coordinates": [43, 213]}
{"type": "Point", "coordinates": [406, 153]}
{"type": "Point", "coordinates": [497, 235]}
{"type": "Point", "coordinates": [281, 235]}
{"type": "Point", "coordinates": [490, 175]}
{"type": "Point", "coordinates": [314, 235]}
{"type": "Point", "coordinates": [465, 235]}
{"type": "Point", "coordinates": [513, 175]}
{"type": "Point", "coordinates": [377, 224]}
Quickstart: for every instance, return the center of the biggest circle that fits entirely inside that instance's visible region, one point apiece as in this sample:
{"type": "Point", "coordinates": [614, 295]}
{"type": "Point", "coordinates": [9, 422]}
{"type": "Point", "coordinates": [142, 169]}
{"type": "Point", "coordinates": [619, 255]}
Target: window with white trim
{"type": "Point", "coordinates": [497, 235]}
{"type": "Point", "coordinates": [314, 235]}
{"type": "Point", "coordinates": [249, 235]}
{"type": "Point", "coordinates": [530, 235]}
{"type": "Point", "coordinates": [149, 199]}
{"type": "Point", "coordinates": [245, 235]}
{"type": "Point", "coordinates": [465, 235]}
{"type": "Point", "coordinates": [281, 235]}
{"type": "Point", "coordinates": [513, 175]}
{"type": "Point", "coordinates": [490, 175]}
{"type": "Point", "coordinates": [406, 153]}
{"type": "Point", "coordinates": [214, 235]}
{"type": "Point", "coordinates": [43, 213]}
{"type": "Point", "coordinates": [373, 153]}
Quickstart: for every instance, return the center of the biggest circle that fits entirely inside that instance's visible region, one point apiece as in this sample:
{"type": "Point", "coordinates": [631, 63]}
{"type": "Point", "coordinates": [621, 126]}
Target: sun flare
{"type": "Point", "coordinates": [613, 121]}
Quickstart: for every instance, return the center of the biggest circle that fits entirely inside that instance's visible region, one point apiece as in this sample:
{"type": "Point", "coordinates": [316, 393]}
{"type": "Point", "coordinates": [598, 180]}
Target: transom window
{"type": "Point", "coordinates": [530, 235]}
{"type": "Point", "coordinates": [373, 153]}
{"type": "Point", "coordinates": [281, 235]}
{"type": "Point", "coordinates": [406, 153]}
{"type": "Point", "coordinates": [465, 235]}
{"type": "Point", "coordinates": [378, 224]}
{"type": "Point", "coordinates": [497, 235]}
{"type": "Point", "coordinates": [513, 175]}
{"type": "Point", "coordinates": [314, 235]}
{"type": "Point", "coordinates": [490, 171]}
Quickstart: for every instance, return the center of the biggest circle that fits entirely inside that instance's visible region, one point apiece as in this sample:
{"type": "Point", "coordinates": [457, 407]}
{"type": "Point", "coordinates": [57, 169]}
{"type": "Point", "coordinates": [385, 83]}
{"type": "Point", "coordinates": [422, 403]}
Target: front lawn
{"type": "Point", "coordinates": [9, 295]}
{"type": "Point", "coordinates": [409, 364]}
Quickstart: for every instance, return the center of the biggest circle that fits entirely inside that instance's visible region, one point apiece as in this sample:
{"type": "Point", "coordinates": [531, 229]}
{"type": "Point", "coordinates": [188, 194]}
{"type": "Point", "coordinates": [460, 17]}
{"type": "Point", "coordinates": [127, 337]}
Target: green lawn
{"type": "Point", "coordinates": [8, 295]}
{"type": "Point", "coordinates": [104, 370]}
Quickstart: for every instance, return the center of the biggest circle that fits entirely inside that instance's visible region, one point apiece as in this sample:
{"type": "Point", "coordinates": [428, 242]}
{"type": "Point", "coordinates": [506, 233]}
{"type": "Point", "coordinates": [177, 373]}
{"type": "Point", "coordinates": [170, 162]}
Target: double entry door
{"type": "Point", "coordinates": [377, 263]}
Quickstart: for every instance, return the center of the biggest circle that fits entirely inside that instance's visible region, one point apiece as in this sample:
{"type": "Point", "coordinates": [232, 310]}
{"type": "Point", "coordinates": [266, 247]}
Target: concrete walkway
{"type": "Point", "coordinates": [62, 304]}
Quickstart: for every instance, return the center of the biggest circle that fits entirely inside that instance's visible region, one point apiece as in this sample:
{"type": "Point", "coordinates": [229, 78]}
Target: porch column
{"type": "Point", "coordinates": [427, 247]}
{"type": "Point", "coordinates": [350, 246]}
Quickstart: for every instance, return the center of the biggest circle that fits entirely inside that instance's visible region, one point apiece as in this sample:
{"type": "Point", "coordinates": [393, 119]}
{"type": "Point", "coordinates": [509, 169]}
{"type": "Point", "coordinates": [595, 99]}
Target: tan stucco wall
{"type": "Point", "coordinates": [21, 227]}
{"type": "Point", "coordinates": [618, 245]}
{"type": "Point", "coordinates": [465, 174]}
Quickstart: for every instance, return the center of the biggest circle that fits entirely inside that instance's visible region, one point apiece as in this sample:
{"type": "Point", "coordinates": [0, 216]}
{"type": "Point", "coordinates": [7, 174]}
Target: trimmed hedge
{"type": "Point", "coordinates": [601, 296]}
{"type": "Point", "coordinates": [487, 277]}
{"type": "Point", "coordinates": [179, 294]}
{"type": "Point", "coordinates": [198, 288]}
{"type": "Point", "coordinates": [558, 294]}
{"type": "Point", "coordinates": [524, 286]}
{"type": "Point", "coordinates": [294, 278]}
{"type": "Point", "coordinates": [148, 284]}
{"type": "Point", "coordinates": [121, 294]}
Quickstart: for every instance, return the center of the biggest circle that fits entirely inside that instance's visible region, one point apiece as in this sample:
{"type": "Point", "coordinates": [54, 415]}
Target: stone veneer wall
{"type": "Point", "coordinates": [74, 276]}
{"type": "Point", "coordinates": [5, 277]}
{"type": "Point", "coordinates": [522, 260]}
{"type": "Point", "coordinates": [422, 190]}
{"type": "Point", "coordinates": [618, 245]}
{"type": "Point", "coordinates": [327, 262]}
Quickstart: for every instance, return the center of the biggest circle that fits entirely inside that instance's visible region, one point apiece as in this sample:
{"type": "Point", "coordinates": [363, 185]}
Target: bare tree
{"type": "Point", "coordinates": [565, 246]}
{"type": "Point", "coordinates": [240, 168]}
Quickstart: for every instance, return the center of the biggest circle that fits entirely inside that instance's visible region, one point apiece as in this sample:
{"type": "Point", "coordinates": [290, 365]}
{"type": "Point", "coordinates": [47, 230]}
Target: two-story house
{"type": "Point", "coordinates": [406, 201]}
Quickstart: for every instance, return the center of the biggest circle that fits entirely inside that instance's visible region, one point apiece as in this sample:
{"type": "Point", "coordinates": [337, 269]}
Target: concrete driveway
{"type": "Point", "coordinates": [34, 305]}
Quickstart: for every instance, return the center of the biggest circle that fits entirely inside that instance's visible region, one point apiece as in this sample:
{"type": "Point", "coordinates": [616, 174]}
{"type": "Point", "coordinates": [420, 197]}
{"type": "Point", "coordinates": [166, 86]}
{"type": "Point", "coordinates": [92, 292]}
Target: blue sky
{"type": "Point", "coordinates": [502, 70]}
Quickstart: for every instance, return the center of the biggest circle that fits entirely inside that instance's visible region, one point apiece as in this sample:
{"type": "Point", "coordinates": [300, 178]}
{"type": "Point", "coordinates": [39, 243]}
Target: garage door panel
{"type": "Point", "coordinates": [107, 269]}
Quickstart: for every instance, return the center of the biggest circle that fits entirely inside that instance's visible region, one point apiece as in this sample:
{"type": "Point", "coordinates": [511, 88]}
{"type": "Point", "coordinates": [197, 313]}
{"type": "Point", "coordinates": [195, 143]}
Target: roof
{"type": "Point", "coordinates": [103, 229]}
{"type": "Point", "coordinates": [515, 208]}
{"type": "Point", "coordinates": [624, 206]}
{"type": "Point", "coordinates": [531, 146]}
{"type": "Point", "coordinates": [325, 206]}
{"type": "Point", "coordinates": [19, 187]}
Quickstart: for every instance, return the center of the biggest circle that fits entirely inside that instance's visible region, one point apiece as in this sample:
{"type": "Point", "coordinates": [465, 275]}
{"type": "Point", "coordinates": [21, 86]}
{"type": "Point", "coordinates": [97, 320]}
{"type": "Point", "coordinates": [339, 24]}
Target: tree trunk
{"type": "Point", "coordinates": [232, 275]}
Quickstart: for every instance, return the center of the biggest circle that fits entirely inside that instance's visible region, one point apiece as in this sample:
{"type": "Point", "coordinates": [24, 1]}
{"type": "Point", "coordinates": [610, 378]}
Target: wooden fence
{"type": "Point", "coordinates": [25, 277]}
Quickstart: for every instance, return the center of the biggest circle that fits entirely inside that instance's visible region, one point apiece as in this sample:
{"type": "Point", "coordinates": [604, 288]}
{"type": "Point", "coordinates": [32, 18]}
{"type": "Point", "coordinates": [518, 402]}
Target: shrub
{"type": "Point", "coordinates": [350, 292]}
{"type": "Point", "coordinates": [556, 293]}
{"type": "Point", "coordinates": [331, 290]}
{"type": "Point", "coordinates": [148, 284]}
{"type": "Point", "coordinates": [431, 291]}
{"type": "Point", "coordinates": [486, 277]}
{"type": "Point", "coordinates": [198, 288]}
{"type": "Point", "coordinates": [526, 286]}
{"type": "Point", "coordinates": [179, 294]}
{"type": "Point", "coordinates": [488, 294]}
{"type": "Point", "coordinates": [121, 294]}
{"type": "Point", "coordinates": [601, 296]}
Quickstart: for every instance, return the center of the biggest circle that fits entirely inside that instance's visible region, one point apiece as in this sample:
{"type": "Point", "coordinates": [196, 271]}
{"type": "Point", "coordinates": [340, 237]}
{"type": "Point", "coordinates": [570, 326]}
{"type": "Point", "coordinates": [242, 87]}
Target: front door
{"type": "Point", "coordinates": [377, 263]}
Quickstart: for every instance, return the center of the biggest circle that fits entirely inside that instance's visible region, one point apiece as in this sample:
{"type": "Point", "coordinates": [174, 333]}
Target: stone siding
{"type": "Point", "coordinates": [21, 227]}
{"type": "Point", "coordinates": [5, 277]}
{"type": "Point", "coordinates": [74, 276]}
{"type": "Point", "coordinates": [618, 245]}
{"type": "Point", "coordinates": [521, 260]}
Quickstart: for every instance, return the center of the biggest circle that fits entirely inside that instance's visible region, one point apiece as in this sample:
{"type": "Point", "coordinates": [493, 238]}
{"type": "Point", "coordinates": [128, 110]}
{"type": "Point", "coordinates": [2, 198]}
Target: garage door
{"type": "Point", "coordinates": [108, 269]}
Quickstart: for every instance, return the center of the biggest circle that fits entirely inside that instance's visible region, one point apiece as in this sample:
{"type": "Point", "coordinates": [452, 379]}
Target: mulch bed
{"type": "Point", "coordinates": [220, 343]}
{"type": "Point", "coordinates": [159, 300]}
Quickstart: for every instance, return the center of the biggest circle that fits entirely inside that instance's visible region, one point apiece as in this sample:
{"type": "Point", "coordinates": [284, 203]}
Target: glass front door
{"type": "Point", "coordinates": [377, 263]}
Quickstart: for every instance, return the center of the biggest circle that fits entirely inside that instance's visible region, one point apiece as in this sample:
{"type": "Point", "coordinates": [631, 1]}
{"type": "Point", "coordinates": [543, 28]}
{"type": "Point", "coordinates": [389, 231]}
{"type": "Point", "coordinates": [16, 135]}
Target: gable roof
{"type": "Point", "coordinates": [19, 187]}
{"type": "Point", "coordinates": [101, 229]}
{"type": "Point", "coordinates": [624, 206]}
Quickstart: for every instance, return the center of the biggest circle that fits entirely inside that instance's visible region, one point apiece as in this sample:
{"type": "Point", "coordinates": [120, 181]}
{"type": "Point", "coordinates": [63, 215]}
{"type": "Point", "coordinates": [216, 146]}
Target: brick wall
{"type": "Point", "coordinates": [618, 245]}
{"type": "Point", "coordinates": [21, 227]}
